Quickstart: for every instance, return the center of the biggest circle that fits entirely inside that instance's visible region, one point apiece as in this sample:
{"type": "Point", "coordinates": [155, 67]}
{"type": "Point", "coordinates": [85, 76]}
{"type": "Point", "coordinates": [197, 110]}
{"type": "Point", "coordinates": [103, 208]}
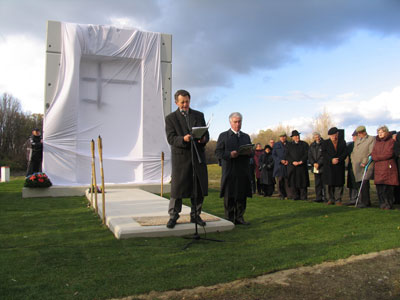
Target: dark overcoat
{"type": "Point", "coordinates": [235, 178]}
{"type": "Point", "coordinates": [385, 171]}
{"type": "Point", "coordinates": [256, 157]}
{"type": "Point", "coordinates": [279, 153]}
{"type": "Point", "coordinates": [351, 179]}
{"type": "Point", "coordinates": [334, 174]}
{"type": "Point", "coordinates": [315, 155]}
{"type": "Point", "coordinates": [266, 163]}
{"type": "Point", "coordinates": [182, 175]}
{"type": "Point", "coordinates": [298, 175]}
{"type": "Point", "coordinates": [397, 151]}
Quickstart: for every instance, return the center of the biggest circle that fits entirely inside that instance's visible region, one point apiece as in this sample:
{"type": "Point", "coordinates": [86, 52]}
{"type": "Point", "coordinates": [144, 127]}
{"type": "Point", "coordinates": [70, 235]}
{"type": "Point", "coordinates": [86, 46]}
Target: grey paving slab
{"type": "Point", "coordinates": [122, 206]}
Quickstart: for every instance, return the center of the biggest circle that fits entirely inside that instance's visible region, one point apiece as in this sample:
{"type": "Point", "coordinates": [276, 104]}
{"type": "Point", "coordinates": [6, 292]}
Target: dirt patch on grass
{"type": "Point", "coordinates": [370, 276]}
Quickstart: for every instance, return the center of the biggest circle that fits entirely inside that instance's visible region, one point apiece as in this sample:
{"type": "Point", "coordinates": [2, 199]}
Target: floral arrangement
{"type": "Point", "coordinates": [37, 180]}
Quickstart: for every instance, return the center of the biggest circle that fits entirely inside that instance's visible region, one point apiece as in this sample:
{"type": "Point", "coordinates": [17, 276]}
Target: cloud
{"type": "Point", "coordinates": [213, 41]}
{"type": "Point", "coordinates": [22, 70]}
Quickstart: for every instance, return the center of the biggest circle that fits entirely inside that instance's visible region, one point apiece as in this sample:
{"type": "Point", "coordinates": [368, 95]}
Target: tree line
{"type": "Point", "coordinates": [15, 128]}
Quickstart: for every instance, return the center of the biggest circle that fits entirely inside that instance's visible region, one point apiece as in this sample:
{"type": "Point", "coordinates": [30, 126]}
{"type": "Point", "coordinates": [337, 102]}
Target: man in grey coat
{"type": "Point", "coordinates": [178, 127]}
{"type": "Point", "coordinates": [363, 146]}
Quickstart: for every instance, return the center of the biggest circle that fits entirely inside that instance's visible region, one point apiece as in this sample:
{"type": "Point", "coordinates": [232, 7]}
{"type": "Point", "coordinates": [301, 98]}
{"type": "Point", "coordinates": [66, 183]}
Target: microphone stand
{"type": "Point", "coordinates": [193, 147]}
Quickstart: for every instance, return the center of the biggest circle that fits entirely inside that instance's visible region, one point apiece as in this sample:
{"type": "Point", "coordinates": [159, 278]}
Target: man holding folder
{"type": "Point", "coordinates": [178, 127]}
{"type": "Point", "coordinates": [234, 150]}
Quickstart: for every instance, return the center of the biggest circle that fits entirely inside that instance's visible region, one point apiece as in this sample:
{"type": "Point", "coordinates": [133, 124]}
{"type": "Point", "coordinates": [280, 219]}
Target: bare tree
{"type": "Point", "coordinates": [322, 123]}
{"type": "Point", "coordinates": [15, 128]}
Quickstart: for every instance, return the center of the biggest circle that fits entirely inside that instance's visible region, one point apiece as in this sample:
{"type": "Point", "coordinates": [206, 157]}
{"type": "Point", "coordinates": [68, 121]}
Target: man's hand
{"type": "Point", "coordinates": [186, 138]}
{"type": "Point", "coordinates": [202, 140]}
{"type": "Point", "coordinates": [234, 154]}
{"type": "Point", "coordinates": [335, 161]}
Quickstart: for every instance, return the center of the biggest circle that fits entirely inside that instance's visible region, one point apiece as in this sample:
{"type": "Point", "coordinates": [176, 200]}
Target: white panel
{"type": "Point", "coordinates": [166, 74]}
{"type": "Point", "coordinates": [52, 73]}
{"type": "Point", "coordinates": [53, 37]}
{"type": "Point", "coordinates": [166, 48]}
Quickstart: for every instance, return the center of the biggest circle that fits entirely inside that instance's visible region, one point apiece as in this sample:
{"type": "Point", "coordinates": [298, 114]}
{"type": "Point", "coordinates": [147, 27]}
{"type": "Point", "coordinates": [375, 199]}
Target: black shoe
{"type": "Point", "coordinates": [172, 222]}
{"type": "Point", "coordinates": [241, 222]}
{"type": "Point", "coordinates": [318, 200]}
{"type": "Point", "coordinates": [361, 205]}
{"type": "Point", "coordinates": [350, 204]}
{"type": "Point", "coordinates": [199, 221]}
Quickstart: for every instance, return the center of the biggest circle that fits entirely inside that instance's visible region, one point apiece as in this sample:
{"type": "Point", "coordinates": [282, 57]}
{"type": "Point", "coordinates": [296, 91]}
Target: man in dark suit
{"type": "Point", "coordinates": [297, 156]}
{"type": "Point", "coordinates": [334, 153]}
{"type": "Point", "coordinates": [178, 127]}
{"type": "Point", "coordinates": [235, 180]}
{"type": "Point", "coordinates": [279, 153]}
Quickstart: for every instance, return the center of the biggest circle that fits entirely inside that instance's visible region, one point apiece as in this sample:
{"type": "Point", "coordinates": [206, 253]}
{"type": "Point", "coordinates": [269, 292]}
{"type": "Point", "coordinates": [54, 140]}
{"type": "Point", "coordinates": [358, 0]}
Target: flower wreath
{"type": "Point", "coordinates": [37, 180]}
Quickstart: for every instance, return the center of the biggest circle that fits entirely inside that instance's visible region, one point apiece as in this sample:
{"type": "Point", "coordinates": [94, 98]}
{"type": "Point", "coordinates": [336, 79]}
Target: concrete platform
{"type": "Point", "coordinates": [70, 191]}
{"type": "Point", "coordinates": [124, 205]}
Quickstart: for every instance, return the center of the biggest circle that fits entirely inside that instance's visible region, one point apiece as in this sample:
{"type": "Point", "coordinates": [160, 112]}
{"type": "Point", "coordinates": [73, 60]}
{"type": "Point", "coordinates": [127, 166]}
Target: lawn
{"type": "Point", "coordinates": [57, 248]}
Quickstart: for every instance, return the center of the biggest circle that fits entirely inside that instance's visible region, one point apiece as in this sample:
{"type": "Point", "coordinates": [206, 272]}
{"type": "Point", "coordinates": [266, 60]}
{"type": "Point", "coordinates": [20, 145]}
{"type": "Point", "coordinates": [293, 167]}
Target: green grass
{"type": "Point", "coordinates": [56, 248]}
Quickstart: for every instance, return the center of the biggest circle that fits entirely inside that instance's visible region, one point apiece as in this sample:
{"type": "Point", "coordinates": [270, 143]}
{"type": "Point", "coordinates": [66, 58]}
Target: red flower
{"type": "Point", "coordinates": [33, 177]}
{"type": "Point", "coordinates": [41, 180]}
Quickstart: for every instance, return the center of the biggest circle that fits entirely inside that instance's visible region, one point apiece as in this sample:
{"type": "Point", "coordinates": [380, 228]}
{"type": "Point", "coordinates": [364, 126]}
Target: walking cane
{"type": "Point", "coordinates": [162, 172]}
{"type": "Point", "coordinates": [94, 183]}
{"type": "Point", "coordinates": [362, 180]}
{"type": "Point", "coordinates": [100, 145]}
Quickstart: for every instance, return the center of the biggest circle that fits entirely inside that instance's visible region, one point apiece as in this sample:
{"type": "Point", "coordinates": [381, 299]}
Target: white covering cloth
{"type": "Point", "coordinates": [109, 85]}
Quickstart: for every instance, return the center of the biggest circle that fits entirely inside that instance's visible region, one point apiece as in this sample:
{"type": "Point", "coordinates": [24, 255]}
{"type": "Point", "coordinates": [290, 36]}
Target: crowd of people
{"type": "Point", "coordinates": [365, 158]}
{"type": "Point", "coordinates": [284, 164]}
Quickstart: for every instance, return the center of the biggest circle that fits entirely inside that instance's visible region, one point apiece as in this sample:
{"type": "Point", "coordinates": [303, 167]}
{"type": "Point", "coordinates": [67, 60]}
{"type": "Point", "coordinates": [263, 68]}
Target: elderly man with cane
{"type": "Point", "coordinates": [363, 146]}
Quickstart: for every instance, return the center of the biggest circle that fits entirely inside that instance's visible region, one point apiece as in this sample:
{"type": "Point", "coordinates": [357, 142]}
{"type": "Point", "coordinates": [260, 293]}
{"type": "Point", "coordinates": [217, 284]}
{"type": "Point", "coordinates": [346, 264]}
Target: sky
{"type": "Point", "coordinates": [277, 62]}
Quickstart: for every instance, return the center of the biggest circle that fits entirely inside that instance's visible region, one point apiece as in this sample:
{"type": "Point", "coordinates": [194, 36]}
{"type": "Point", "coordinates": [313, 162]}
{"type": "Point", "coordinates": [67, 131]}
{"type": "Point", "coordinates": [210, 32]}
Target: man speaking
{"type": "Point", "coordinates": [178, 127]}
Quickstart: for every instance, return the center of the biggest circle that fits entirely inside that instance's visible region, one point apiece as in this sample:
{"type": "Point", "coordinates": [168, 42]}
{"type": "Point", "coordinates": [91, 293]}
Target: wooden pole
{"type": "Point", "coordinates": [94, 182]}
{"type": "Point", "coordinates": [162, 173]}
{"type": "Point", "coordinates": [103, 192]}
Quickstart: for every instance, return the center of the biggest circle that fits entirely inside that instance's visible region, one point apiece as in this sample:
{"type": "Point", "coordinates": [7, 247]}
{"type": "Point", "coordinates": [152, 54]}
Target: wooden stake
{"type": "Point", "coordinates": [94, 183]}
{"type": "Point", "coordinates": [162, 173]}
{"type": "Point", "coordinates": [103, 192]}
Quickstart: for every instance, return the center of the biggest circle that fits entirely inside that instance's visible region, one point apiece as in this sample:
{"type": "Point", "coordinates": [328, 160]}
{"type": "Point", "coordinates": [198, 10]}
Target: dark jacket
{"type": "Point", "coordinates": [266, 163]}
{"type": "Point", "coordinates": [181, 178]}
{"type": "Point", "coordinates": [385, 171]}
{"type": "Point", "coordinates": [235, 179]}
{"type": "Point", "coordinates": [298, 175]}
{"type": "Point", "coordinates": [256, 157]}
{"type": "Point", "coordinates": [351, 179]}
{"type": "Point", "coordinates": [397, 151]}
{"type": "Point", "coordinates": [334, 174]}
{"type": "Point", "coordinates": [279, 153]}
{"type": "Point", "coordinates": [315, 155]}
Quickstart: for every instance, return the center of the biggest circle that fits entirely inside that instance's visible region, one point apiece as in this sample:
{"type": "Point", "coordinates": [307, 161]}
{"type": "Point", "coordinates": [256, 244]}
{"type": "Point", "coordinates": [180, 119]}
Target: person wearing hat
{"type": "Point", "coordinates": [359, 158]}
{"type": "Point", "coordinates": [351, 180]}
{"type": "Point", "coordinates": [316, 160]}
{"type": "Point", "coordinates": [297, 156]}
{"type": "Point", "coordinates": [35, 152]}
{"type": "Point", "coordinates": [334, 153]}
{"type": "Point", "coordinates": [266, 163]}
{"type": "Point", "coordinates": [279, 153]}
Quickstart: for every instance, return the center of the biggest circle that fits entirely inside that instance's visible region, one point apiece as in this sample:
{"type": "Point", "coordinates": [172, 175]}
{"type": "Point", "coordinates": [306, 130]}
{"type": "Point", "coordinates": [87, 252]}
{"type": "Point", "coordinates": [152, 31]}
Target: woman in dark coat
{"type": "Point", "coordinates": [385, 171]}
{"type": "Point", "coordinates": [266, 166]}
